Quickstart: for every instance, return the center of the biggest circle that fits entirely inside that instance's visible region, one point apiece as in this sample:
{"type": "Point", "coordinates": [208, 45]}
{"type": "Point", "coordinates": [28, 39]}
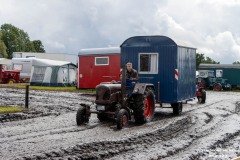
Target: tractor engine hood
{"type": "Point", "coordinates": [105, 91]}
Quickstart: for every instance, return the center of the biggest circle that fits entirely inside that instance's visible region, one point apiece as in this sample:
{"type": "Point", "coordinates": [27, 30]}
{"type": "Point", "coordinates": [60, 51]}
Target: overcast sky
{"type": "Point", "coordinates": [212, 26]}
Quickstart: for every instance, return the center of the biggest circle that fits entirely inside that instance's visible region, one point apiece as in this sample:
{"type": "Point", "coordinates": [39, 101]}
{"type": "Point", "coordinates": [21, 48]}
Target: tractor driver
{"type": "Point", "coordinates": [131, 74]}
{"type": "Point", "coordinates": [131, 78]}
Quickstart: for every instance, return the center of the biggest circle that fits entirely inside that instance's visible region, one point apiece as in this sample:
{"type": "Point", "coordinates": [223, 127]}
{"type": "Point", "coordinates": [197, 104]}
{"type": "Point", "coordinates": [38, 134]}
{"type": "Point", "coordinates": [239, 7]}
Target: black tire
{"type": "Point", "coordinates": [229, 87]}
{"type": "Point", "coordinates": [82, 117]}
{"type": "Point", "coordinates": [144, 107]}
{"type": "Point", "coordinates": [204, 96]}
{"type": "Point", "coordinates": [202, 99]}
{"type": "Point", "coordinates": [102, 117]}
{"type": "Point", "coordinates": [11, 81]}
{"type": "Point", "coordinates": [217, 87]}
{"type": "Point", "coordinates": [122, 118]}
{"type": "Point", "coordinates": [177, 108]}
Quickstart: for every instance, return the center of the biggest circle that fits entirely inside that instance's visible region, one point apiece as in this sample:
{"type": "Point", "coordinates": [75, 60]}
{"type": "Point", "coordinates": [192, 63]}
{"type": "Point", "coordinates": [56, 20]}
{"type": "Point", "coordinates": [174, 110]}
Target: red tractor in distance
{"type": "Point", "coordinates": [9, 76]}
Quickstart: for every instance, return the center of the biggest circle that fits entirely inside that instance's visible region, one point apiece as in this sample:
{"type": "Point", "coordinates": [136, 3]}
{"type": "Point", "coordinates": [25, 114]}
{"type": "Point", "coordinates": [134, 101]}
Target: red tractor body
{"type": "Point", "coordinates": [9, 76]}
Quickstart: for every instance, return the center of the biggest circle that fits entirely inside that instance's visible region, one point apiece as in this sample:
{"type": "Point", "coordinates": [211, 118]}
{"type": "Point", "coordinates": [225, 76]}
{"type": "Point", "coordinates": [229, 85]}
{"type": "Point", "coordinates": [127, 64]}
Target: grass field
{"type": "Point", "coordinates": [11, 109]}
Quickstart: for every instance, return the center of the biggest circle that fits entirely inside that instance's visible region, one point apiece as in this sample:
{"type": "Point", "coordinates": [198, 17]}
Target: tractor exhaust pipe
{"type": "Point", "coordinates": [123, 84]}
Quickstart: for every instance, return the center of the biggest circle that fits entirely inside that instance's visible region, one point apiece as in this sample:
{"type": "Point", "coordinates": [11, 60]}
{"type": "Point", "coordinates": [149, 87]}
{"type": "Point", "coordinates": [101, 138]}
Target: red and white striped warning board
{"type": "Point", "coordinates": [176, 74]}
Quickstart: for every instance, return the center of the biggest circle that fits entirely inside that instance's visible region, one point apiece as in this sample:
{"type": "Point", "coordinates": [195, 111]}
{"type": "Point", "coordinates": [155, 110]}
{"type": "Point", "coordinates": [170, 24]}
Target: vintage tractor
{"type": "Point", "coordinates": [209, 81]}
{"type": "Point", "coordinates": [114, 101]}
{"type": "Point", "coordinates": [200, 92]}
{"type": "Point", "coordinates": [219, 84]}
{"type": "Point", "coordinates": [9, 76]}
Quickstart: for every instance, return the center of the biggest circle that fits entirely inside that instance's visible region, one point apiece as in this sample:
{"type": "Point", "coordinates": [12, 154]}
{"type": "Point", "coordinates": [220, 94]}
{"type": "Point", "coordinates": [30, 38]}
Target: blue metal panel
{"type": "Point", "coordinates": [187, 73]}
{"type": "Point", "coordinates": [171, 90]}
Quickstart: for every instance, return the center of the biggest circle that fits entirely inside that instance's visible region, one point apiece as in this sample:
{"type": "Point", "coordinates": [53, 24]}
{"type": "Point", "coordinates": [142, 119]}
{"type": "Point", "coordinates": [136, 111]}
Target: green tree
{"type": "Point", "coordinates": [16, 40]}
{"type": "Point", "coordinates": [236, 62]}
{"type": "Point", "coordinates": [3, 48]}
{"type": "Point", "coordinates": [209, 60]}
{"type": "Point", "coordinates": [200, 58]}
{"type": "Point", "coordinates": [38, 46]}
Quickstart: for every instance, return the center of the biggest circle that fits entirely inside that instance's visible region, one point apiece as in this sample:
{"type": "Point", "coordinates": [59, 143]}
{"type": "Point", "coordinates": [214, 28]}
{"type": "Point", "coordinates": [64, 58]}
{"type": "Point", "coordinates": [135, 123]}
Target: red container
{"type": "Point", "coordinates": [98, 65]}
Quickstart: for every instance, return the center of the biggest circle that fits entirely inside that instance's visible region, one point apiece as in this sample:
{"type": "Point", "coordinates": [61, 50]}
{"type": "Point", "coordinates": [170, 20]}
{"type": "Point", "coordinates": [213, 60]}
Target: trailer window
{"type": "Point", "coordinates": [100, 61]}
{"type": "Point", "coordinates": [17, 67]}
{"type": "Point", "coordinates": [148, 63]}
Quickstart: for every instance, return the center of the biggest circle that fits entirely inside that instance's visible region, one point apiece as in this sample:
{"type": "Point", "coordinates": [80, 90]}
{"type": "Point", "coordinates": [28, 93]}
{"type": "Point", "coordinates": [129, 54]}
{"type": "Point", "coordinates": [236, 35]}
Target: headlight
{"type": "Point", "coordinates": [136, 90]}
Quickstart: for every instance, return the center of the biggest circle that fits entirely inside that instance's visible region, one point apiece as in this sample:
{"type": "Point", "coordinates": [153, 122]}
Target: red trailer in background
{"type": "Point", "coordinates": [98, 65]}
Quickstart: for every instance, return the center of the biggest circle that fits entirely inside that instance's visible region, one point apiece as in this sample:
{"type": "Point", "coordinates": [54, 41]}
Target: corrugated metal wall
{"type": "Point", "coordinates": [166, 65]}
{"type": "Point", "coordinates": [187, 70]}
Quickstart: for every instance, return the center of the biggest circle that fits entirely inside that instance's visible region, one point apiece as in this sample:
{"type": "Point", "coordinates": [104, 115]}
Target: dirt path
{"type": "Point", "coordinates": [209, 131]}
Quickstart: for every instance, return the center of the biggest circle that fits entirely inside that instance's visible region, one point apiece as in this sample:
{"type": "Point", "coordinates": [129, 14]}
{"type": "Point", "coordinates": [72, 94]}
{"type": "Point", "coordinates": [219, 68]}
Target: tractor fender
{"type": "Point", "coordinates": [141, 87]}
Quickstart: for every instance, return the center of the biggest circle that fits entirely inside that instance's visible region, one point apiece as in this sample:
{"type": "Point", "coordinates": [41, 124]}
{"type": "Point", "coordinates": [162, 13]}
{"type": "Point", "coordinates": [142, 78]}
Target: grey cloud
{"type": "Point", "coordinates": [68, 26]}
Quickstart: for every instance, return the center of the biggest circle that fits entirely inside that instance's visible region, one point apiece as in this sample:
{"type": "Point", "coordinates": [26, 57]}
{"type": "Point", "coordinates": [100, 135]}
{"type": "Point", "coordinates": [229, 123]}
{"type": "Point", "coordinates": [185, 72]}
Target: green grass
{"type": "Point", "coordinates": [11, 109]}
{"type": "Point", "coordinates": [45, 88]}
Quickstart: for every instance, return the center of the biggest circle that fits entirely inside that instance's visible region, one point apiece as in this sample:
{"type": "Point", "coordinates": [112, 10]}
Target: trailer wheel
{"type": "Point", "coordinates": [217, 87]}
{"type": "Point", "coordinates": [82, 115]}
{"type": "Point", "coordinates": [177, 108]}
{"type": "Point", "coordinates": [11, 81]}
{"type": "Point", "coordinates": [122, 118]}
{"type": "Point", "coordinates": [144, 107]}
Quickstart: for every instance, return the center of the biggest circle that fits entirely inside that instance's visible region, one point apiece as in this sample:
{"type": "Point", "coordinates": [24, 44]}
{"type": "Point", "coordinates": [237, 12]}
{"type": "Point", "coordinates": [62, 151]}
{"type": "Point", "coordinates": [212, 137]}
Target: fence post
{"type": "Point", "coordinates": [26, 96]}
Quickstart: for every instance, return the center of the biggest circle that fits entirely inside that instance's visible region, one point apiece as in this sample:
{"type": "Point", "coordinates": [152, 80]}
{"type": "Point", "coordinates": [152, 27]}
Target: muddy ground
{"type": "Point", "coordinates": [49, 130]}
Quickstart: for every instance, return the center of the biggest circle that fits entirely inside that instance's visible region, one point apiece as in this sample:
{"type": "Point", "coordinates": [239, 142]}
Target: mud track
{"type": "Point", "coordinates": [49, 131]}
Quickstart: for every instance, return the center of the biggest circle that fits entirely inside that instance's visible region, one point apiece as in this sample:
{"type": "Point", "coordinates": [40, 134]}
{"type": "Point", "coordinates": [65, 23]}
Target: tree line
{"type": "Point", "coordinates": [13, 39]}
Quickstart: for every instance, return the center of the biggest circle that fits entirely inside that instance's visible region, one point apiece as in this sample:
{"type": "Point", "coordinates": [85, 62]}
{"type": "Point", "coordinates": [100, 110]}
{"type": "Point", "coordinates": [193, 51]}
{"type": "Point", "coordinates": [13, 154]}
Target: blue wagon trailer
{"type": "Point", "coordinates": [169, 66]}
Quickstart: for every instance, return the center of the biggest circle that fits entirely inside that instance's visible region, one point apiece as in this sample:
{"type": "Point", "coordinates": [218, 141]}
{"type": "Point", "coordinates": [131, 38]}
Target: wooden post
{"type": "Point", "coordinates": [26, 96]}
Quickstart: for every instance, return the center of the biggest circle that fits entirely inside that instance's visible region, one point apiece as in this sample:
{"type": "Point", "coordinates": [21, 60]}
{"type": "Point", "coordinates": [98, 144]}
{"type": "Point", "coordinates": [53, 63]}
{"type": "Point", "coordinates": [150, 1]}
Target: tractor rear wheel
{"type": "Point", "coordinates": [122, 118]}
{"type": "Point", "coordinates": [177, 108]}
{"type": "Point", "coordinates": [217, 87]}
{"type": "Point", "coordinates": [11, 81]}
{"type": "Point", "coordinates": [82, 115]}
{"type": "Point", "coordinates": [202, 98]}
{"type": "Point", "coordinates": [144, 107]}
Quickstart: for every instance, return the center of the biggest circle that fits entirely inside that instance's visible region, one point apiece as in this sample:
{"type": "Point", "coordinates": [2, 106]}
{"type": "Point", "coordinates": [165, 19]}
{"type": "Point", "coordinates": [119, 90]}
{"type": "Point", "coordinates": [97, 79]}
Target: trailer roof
{"type": "Point", "coordinates": [48, 62]}
{"type": "Point", "coordinates": [97, 51]}
{"type": "Point", "coordinates": [156, 40]}
{"type": "Point", "coordinates": [5, 61]}
{"type": "Point", "coordinates": [219, 66]}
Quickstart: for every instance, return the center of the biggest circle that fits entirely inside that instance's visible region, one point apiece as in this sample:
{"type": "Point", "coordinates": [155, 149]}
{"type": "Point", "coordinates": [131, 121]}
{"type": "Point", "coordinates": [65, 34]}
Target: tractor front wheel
{"type": "Point", "coordinates": [83, 115]}
{"type": "Point", "coordinates": [11, 81]}
{"type": "Point", "coordinates": [122, 118]}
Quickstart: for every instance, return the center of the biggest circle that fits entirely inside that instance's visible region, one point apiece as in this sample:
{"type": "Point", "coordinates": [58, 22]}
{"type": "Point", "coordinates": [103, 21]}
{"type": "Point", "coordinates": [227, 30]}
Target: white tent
{"type": "Point", "coordinates": [52, 73]}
